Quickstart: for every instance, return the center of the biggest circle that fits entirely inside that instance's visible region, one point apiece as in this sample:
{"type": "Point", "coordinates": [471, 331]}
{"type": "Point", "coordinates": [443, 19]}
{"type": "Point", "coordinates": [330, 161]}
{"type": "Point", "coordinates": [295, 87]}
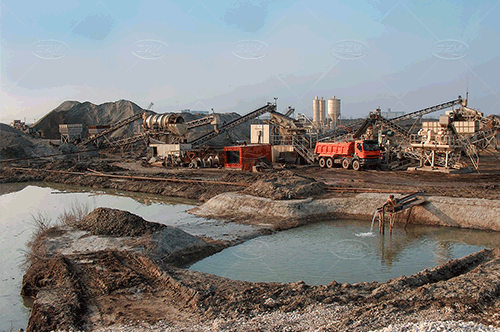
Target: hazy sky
{"type": "Point", "coordinates": [237, 55]}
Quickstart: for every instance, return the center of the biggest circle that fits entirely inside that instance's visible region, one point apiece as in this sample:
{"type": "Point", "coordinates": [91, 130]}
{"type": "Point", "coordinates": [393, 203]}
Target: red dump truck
{"type": "Point", "coordinates": [357, 154]}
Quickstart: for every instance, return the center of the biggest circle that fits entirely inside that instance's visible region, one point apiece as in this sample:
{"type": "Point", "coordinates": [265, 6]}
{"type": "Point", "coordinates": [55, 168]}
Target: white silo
{"type": "Point", "coordinates": [322, 111]}
{"type": "Point", "coordinates": [316, 111]}
{"type": "Point", "coordinates": [334, 111]}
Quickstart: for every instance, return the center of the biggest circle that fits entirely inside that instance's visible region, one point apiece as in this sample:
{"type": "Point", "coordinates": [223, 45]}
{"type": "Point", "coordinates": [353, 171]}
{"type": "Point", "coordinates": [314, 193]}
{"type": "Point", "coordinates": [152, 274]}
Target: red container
{"type": "Point", "coordinates": [245, 156]}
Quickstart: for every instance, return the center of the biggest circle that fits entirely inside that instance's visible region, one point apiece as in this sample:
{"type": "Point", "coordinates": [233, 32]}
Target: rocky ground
{"type": "Point", "coordinates": [113, 289]}
{"type": "Point", "coordinates": [121, 288]}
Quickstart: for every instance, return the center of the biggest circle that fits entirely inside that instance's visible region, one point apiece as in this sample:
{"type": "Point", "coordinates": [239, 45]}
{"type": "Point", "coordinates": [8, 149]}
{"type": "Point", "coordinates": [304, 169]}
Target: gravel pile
{"type": "Point", "coordinates": [113, 222]}
{"type": "Point", "coordinates": [285, 185]}
{"type": "Point", "coordinates": [314, 318]}
{"type": "Point", "coordinates": [16, 144]}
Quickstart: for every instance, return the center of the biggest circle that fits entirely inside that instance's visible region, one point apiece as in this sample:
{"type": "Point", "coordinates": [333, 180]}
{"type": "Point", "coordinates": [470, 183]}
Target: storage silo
{"type": "Point", "coordinates": [322, 112]}
{"type": "Point", "coordinates": [316, 111]}
{"type": "Point", "coordinates": [334, 111]}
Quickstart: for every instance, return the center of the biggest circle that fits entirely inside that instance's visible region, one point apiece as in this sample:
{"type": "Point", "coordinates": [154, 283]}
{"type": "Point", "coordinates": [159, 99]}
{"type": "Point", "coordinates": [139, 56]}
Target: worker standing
{"type": "Point", "coordinates": [391, 201]}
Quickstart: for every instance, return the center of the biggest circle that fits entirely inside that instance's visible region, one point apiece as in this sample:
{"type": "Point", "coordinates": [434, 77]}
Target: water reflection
{"type": "Point", "coordinates": [440, 240]}
{"type": "Point", "coordinates": [6, 188]}
{"type": "Point", "coordinates": [322, 252]}
{"type": "Point", "coordinates": [142, 198]}
{"type": "Point", "coordinates": [19, 201]}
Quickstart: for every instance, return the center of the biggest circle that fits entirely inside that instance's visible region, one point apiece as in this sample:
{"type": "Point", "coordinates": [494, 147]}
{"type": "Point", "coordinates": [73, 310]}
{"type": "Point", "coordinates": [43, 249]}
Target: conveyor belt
{"type": "Point", "coordinates": [258, 112]}
{"type": "Point", "coordinates": [114, 127]}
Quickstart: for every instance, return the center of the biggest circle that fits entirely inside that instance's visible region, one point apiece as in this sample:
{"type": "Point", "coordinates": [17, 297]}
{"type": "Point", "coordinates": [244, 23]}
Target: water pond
{"type": "Point", "coordinates": [340, 250]}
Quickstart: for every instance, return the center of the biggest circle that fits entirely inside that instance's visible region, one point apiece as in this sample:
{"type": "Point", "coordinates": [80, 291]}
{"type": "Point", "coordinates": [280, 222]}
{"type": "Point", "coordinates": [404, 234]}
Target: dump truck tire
{"type": "Point", "coordinates": [356, 165]}
{"type": "Point", "coordinates": [346, 163]}
{"type": "Point", "coordinates": [322, 162]}
{"type": "Point", "coordinates": [329, 163]}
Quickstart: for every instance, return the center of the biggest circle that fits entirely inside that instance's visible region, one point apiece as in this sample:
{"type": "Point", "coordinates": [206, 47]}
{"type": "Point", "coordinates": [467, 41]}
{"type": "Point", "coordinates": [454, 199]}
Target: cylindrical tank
{"type": "Point", "coordinates": [322, 111]}
{"type": "Point", "coordinates": [161, 121]}
{"type": "Point", "coordinates": [316, 111]}
{"type": "Point", "coordinates": [334, 111]}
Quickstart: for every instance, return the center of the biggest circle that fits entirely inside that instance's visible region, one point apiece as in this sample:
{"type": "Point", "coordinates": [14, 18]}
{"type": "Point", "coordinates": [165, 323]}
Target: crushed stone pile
{"type": "Point", "coordinates": [14, 144]}
{"type": "Point", "coordinates": [87, 113]}
{"type": "Point", "coordinates": [113, 222]}
{"type": "Point", "coordinates": [285, 185]}
{"type": "Point", "coordinates": [172, 239]}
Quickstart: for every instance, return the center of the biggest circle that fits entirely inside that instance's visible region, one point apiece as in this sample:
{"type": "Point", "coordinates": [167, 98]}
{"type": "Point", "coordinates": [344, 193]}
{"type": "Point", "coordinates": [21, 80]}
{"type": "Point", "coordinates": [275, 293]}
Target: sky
{"type": "Point", "coordinates": [234, 56]}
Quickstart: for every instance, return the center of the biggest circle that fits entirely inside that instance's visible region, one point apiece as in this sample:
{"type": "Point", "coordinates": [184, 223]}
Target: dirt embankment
{"type": "Point", "coordinates": [285, 185]}
{"type": "Point", "coordinates": [74, 266]}
{"type": "Point", "coordinates": [275, 184]}
{"type": "Point", "coordinates": [200, 184]}
{"type": "Point", "coordinates": [115, 288]}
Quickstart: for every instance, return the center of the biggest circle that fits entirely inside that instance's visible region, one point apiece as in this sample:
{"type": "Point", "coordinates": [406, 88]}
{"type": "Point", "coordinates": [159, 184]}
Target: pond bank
{"type": "Point", "coordinates": [472, 213]}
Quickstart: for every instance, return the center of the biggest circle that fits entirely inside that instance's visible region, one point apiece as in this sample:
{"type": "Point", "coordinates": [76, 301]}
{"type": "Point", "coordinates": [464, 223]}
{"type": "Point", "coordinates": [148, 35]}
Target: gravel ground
{"type": "Point", "coordinates": [313, 318]}
{"type": "Point", "coordinates": [439, 326]}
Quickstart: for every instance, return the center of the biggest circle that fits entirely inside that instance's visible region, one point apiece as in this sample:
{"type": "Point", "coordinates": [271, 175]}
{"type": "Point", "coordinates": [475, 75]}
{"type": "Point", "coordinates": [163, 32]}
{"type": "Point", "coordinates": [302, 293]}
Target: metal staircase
{"type": "Point", "coordinates": [469, 148]}
{"type": "Point", "coordinates": [482, 139]}
{"type": "Point", "coordinates": [303, 151]}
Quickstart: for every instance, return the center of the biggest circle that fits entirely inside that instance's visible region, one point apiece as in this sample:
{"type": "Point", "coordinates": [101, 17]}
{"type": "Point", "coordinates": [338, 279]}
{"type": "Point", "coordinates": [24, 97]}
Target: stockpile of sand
{"type": "Point", "coordinates": [15, 144]}
{"type": "Point", "coordinates": [285, 185]}
{"type": "Point", "coordinates": [113, 222]}
{"type": "Point", "coordinates": [88, 114]}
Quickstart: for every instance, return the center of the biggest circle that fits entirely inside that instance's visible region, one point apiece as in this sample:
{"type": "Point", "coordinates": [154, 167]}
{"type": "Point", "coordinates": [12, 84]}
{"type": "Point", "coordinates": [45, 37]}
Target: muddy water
{"type": "Point", "coordinates": [19, 201]}
{"type": "Point", "coordinates": [322, 252]}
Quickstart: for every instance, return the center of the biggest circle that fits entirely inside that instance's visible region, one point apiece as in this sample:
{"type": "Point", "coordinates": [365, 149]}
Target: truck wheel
{"type": "Point", "coordinates": [208, 163]}
{"type": "Point", "coordinates": [329, 163]}
{"type": "Point", "coordinates": [356, 165]}
{"type": "Point", "coordinates": [322, 162]}
{"type": "Point", "coordinates": [346, 163]}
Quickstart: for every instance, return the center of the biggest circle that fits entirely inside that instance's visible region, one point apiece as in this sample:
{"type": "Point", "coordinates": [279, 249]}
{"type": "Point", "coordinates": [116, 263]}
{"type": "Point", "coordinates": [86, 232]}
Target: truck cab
{"type": "Point", "coordinates": [367, 149]}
